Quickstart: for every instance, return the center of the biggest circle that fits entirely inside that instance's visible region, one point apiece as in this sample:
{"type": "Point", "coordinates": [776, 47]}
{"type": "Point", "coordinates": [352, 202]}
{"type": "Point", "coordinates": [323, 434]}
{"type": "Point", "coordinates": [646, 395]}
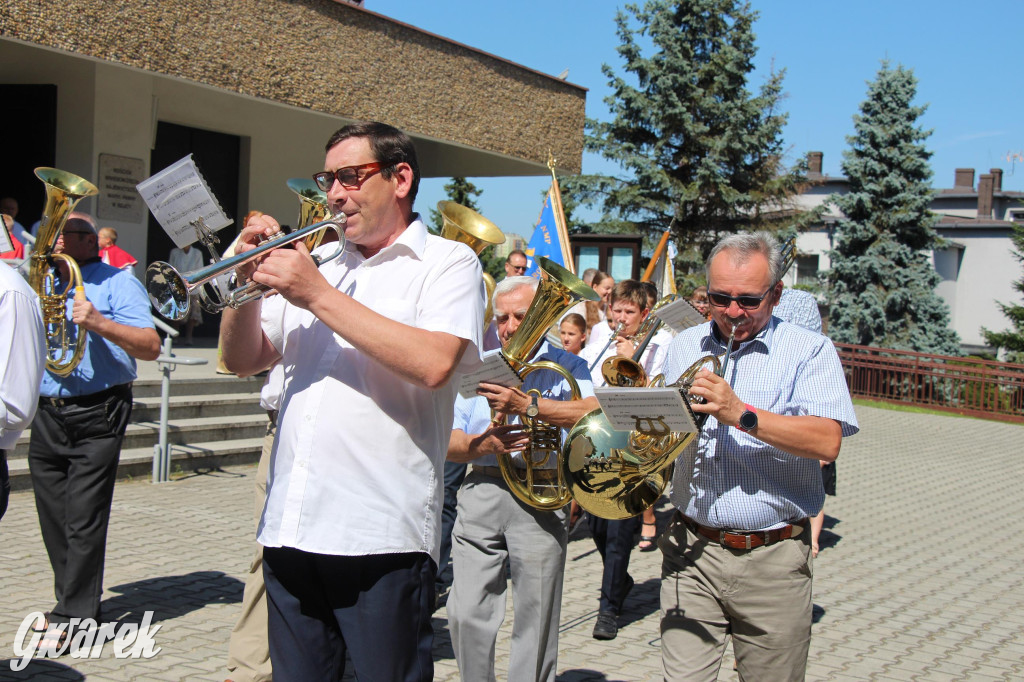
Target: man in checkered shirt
{"type": "Point", "coordinates": [737, 557]}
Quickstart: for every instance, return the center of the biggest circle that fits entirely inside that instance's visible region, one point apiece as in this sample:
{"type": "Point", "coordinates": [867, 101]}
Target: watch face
{"type": "Point", "coordinates": [748, 420]}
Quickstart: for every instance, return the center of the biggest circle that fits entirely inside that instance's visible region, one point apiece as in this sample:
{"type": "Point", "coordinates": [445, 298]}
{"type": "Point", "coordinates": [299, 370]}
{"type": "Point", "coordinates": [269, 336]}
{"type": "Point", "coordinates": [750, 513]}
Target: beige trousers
{"type": "Point", "coordinates": [761, 597]}
{"type": "Point", "coordinates": [248, 650]}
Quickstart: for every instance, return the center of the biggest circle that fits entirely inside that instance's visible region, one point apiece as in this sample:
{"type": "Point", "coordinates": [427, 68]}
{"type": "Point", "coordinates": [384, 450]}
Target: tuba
{"type": "Point", "coordinates": [618, 474]}
{"type": "Point", "coordinates": [63, 191]}
{"type": "Point", "coordinates": [463, 224]}
{"type": "Point", "coordinates": [557, 292]}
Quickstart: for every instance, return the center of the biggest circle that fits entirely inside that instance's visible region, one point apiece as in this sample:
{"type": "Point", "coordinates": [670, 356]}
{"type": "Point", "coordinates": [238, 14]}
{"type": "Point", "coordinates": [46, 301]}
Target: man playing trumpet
{"type": "Point", "coordinates": [368, 344]}
{"type": "Point", "coordinates": [737, 554]}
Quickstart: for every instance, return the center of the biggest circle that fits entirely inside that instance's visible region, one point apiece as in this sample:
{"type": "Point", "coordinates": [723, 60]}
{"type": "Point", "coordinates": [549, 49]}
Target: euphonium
{"type": "Point", "coordinates": [463, 224]}
{"type": "Point", "coordinates": [557, 292]}
{"type": "Point", "coordinates": [63, 191]}
{"type": "Point", "coordinates": [618, 474]}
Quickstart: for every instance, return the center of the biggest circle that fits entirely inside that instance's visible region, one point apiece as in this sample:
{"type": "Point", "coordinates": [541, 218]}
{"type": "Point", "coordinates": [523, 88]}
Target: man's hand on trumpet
{"type": "Point", "coordinates": [259, 227]}
{"type": "Point", "coordinates": [720, 400]}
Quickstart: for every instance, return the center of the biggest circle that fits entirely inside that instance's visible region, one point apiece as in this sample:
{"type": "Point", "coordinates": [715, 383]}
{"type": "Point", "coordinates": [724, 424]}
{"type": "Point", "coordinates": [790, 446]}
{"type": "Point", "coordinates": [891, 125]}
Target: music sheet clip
{"type": "Point", "coordinates": [679, 315]}
{"type": "Point", "coordinates": [654, 411]}
{"type": "Point", "coordinates": [493, 370]}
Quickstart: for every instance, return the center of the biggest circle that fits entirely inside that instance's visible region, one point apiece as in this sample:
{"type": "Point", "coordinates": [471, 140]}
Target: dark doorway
{"type": "Point", "coordinates": [217, 157]}
{"type": "Point", "coordinates": [28, 115]}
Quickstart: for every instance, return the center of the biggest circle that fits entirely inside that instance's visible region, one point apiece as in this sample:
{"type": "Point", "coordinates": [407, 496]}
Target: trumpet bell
{"type": "Point", "coordinates": [168, 293]}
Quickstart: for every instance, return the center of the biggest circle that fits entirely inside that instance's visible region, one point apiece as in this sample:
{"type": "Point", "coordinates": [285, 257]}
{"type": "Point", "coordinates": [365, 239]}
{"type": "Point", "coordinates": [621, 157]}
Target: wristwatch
{"type": "Point", "coordinates": [748, 420]}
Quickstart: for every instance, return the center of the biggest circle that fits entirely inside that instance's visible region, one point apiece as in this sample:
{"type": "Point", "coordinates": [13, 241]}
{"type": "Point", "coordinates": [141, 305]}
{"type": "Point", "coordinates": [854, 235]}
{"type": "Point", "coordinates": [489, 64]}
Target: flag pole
{"type": "Point", "coordinates": [559, 211]}
{"type": "Point", "coordinates": [658, 253]}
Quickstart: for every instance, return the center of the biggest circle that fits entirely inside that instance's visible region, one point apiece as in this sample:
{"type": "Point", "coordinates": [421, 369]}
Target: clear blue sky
{"type": "Point", "coordinates": [966, 57]}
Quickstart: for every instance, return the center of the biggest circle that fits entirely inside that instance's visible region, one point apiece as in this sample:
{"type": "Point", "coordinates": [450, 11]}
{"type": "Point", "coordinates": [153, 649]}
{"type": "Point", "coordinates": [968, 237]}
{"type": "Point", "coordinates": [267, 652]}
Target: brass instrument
{"type": "Point", "coordinates": [611, 340]}
{"type": "Point", "coordinates": [313, 208]}
{"type": "Point", "coordinates": [558, 291]}
{"type": "Point", "coordinates": [63, 191]}
{"type": "Point", "coordinates": [170, 291]}
{"type": "Point", "coordinates": [623, 372]}
{"type": "Point", "coordinates": [617, 474]}
{"type": "Point", "coordinates": [463, 224]}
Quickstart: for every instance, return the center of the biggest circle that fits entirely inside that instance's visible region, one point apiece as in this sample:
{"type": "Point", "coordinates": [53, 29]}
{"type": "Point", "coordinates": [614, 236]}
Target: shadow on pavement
{"type": "Point", "coordinates": [39, 669]}
{"type": "Point", "coordinates": [171, 596]}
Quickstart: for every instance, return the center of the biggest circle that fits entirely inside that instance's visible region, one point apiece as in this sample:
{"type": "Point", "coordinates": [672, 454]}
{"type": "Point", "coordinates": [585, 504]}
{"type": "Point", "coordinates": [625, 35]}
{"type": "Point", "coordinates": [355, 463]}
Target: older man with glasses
{"type": "Point", "coordinates": [515, 263]}
{"type": "Point", "coordinates": [737, 554]}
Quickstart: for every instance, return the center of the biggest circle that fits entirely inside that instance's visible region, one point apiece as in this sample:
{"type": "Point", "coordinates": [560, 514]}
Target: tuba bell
{"type": "Point", "coordinates": [63, 191]}
{"type": "Point", "coordinates": [557, 292]}
{"type": "Point", "coordinates": [463, 224]}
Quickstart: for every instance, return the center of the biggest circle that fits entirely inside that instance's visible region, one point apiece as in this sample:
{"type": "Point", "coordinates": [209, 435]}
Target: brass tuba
{"type": "Point", "coordinates": [63, 191]}
{"type": "Point", "coordinates": [618, 474]}
{"type": "Point", "coordinates": [463, 224]}
{"type": "Point", "coordinates": [558, 291]}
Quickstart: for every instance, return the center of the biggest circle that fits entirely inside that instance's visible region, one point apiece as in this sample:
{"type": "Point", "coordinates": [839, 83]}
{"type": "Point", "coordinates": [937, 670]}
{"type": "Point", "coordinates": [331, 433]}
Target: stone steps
{"type": "Point", "coordinates": [212, 422]}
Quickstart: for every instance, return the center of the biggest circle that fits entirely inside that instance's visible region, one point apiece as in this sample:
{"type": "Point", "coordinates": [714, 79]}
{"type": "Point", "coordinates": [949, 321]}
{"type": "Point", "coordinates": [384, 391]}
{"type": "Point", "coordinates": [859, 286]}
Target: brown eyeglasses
{"type": "Point", "coordinates": [350, 177]}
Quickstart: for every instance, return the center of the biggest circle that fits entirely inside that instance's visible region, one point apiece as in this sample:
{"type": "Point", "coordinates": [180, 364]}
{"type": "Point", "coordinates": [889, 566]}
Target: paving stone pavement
{"type": "Point", "coordinates": [919, 577]}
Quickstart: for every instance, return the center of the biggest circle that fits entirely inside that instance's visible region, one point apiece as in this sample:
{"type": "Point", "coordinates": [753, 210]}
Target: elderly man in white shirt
{"type": "Point", "coordinates": [369, 344]}
{"type": "Point", "coordinates": [494, 528]}
{"type": "Point", "coordinates": [22, 358]}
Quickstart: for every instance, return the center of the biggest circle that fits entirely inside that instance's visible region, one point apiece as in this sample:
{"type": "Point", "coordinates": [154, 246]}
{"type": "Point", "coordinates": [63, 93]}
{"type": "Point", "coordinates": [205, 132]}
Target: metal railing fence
{"type": "Point", "coordinates": [969, 386]}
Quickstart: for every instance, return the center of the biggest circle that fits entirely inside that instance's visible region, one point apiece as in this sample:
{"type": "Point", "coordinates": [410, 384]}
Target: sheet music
{"type": "Point", "coordinates": [178, 195]}
{"type": "Point", "coordinates": [493, 370]}
{"type": "Point", "coordinates": [679, 315]}
{"type": "Point", "coordinates": [657, 411]}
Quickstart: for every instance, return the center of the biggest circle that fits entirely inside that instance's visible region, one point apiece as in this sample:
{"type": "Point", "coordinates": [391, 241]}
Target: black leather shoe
{"type": "Point", "coordinates": [606, 626]}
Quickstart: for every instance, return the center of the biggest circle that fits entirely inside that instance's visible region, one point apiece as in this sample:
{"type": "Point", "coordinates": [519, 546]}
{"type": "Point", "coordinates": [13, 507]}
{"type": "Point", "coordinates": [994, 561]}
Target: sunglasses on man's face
{"type": "Point", "coordinates": [350, 177]}
{"type": "Point", "coordinates": [746, 302]}
{"type": "Point", "coordinates": [518, 268]}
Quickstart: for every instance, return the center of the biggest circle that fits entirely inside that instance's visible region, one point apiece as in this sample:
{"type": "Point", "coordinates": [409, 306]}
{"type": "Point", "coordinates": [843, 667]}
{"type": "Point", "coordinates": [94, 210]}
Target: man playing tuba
{"type": "Point", "coordinates": [494, 528]}
{"type": "Point", "coordinates": [737, 553]}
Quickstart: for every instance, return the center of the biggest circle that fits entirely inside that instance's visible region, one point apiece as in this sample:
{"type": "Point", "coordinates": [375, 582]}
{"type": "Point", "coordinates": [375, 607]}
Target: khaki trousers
{"type": "Point", "coordinates": [248, 650]}
{"type": "Point", "coordinates": [762, 597]}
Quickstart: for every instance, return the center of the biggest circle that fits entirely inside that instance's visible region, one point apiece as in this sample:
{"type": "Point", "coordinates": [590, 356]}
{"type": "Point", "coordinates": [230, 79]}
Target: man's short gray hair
{"type": "Point", "coordinates": [743, 245]}
{"type": "Point", "coordinates": [510, 284]}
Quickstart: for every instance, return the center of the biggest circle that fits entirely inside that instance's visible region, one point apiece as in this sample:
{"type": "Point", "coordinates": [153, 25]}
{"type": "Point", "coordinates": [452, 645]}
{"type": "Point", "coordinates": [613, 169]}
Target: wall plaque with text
{"type": "Point", "coordinates": [118, 198]}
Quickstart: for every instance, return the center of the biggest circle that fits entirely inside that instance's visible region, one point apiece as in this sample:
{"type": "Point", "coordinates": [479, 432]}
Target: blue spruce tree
{"type": "Point", "coordinates": [882, 280]}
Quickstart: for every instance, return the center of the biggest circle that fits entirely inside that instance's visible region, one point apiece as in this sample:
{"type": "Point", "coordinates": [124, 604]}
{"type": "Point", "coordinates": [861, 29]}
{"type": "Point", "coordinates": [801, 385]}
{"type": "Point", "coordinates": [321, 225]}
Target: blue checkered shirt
{"type": "Point", "coordinates": [731, 479]}
{"type": "Point", "coordinates": [800, 308]}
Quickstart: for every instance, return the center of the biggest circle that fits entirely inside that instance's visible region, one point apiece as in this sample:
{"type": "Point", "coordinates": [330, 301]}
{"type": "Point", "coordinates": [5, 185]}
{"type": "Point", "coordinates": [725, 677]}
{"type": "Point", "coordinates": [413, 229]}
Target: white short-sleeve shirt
{"type": "Point", "coordinates": [357, 464]}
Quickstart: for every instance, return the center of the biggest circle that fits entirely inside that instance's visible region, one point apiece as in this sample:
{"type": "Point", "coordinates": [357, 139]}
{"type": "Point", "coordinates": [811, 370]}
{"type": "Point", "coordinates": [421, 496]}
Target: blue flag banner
{"type": "Point", "coordinates": [549, 236]}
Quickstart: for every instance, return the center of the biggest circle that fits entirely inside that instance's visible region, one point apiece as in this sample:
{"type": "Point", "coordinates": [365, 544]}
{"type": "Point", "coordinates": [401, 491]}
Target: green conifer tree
{"type": "Point", "coordinates": [700, 151]}
{"type": "Point", "coordinates": [882, 281]}
{"type": "Point", "coordinates": [1012, 340]}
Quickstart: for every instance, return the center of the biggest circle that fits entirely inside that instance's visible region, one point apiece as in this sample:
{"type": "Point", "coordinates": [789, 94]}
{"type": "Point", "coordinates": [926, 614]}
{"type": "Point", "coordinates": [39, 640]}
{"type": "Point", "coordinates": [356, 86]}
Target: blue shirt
{"type": "Point", "coordinates": [800, 308]}
{"type": "Point", "coordinates": [473, 415]}
{"type": "Point", "coordinates": [119, 297]}
{"type": "Point", "coordinates": [733, 480]}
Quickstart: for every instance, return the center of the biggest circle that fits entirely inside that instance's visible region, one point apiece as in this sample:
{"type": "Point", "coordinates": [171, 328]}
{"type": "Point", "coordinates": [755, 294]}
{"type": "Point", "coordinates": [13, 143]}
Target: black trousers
{"type": "Point", "coordinates": [614, 540]}
{"type": "Point", "coordinates": [73, 453]}
{"type": "Point", "coordinates": [377, 608]}
{"type": "Point", "coordinates": [5, 483]}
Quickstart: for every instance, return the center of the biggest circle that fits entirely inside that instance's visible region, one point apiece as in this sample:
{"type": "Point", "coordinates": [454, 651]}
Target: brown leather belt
{"type": "Point", "coordinates": [89, 400]}
{"type": "Point", "coordinates": [540, 475]}
{"type": "Point", "coordinates": [744, 540]}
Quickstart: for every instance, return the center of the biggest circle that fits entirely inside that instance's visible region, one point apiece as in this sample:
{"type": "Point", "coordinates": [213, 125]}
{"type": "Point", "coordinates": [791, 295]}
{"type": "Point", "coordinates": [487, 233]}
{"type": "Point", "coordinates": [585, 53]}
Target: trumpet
{"type": "Point", "coordinates": [170, 290]}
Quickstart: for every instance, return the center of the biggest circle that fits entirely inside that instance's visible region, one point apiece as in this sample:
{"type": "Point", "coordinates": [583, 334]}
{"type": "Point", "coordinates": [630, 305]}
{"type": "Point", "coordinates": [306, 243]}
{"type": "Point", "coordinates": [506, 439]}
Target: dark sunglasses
{"type": "Point", "coordinates": [518, 268]}
{"type": "Point", "coordinates": [745, 302]}
{"type": "Point", "coordinates": [350, 177]}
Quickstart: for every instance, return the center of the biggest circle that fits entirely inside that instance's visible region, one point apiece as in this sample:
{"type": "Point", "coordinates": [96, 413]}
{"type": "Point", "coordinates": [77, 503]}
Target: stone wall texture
{"type": "Point", "coordinates": [326, 56]}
